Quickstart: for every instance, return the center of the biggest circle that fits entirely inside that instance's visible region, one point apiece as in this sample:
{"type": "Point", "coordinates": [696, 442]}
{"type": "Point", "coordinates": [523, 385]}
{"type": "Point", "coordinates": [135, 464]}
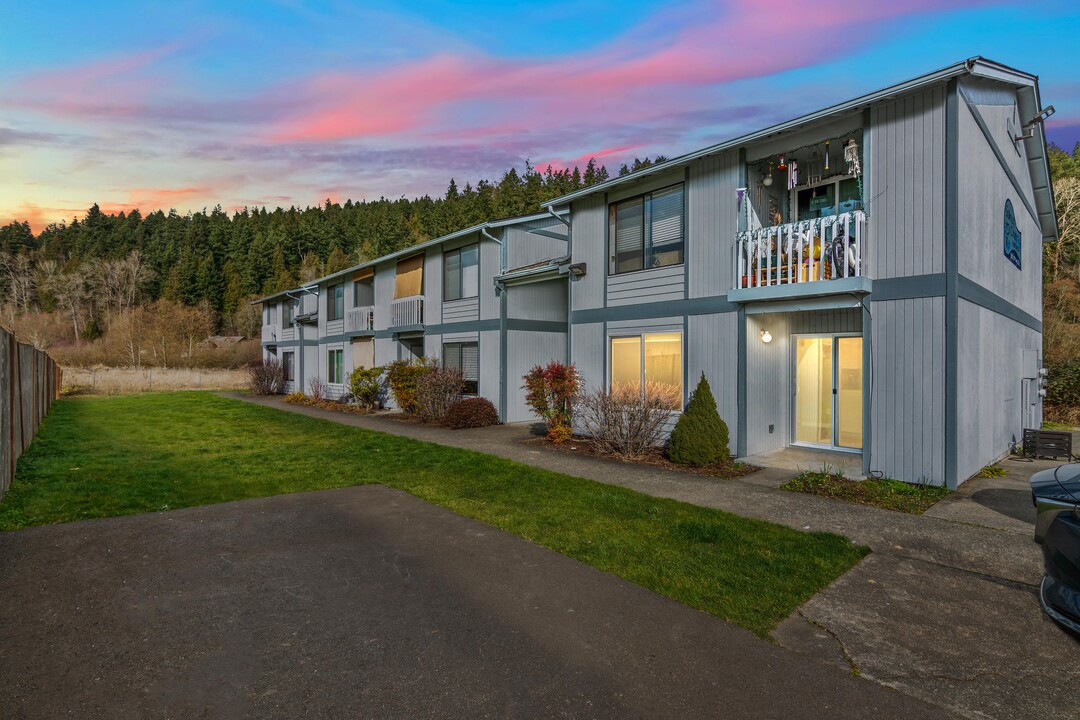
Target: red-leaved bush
{"type": "Point", "coordinates": [551, 392]}
{"type": "Point", "coordinates": [471, 413]}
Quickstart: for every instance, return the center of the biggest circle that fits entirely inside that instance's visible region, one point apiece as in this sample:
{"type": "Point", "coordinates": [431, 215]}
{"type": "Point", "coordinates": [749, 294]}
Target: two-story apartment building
{"type": "Point", "coordinates": [865, 278]}
{"type": "Point", "coordinates": [490, 300]}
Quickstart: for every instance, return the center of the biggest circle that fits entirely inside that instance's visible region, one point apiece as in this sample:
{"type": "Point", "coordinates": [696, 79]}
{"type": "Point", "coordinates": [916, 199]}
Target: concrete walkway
{"type": "Point", "coordinates": [945, 609]}
{"type": "Point", "coordinates": [366, 602]}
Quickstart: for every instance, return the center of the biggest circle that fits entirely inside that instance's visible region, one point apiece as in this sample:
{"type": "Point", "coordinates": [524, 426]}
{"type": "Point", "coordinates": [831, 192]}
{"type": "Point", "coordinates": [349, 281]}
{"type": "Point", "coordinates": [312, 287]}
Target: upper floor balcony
{"type": "Point", "coordinates": [360, 319]}
{"type": "Point", "coordinates": [808, 251]}
{"type": "Point", "coordinates": [271, 333]}
{"type": "Point", "coordinates": [407, 311]}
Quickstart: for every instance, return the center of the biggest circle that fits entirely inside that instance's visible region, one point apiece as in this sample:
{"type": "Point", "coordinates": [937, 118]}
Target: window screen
{"type": "Point", "coordinates": [466, 358]}
{"type": "Point", "coordinates": [647, 231]}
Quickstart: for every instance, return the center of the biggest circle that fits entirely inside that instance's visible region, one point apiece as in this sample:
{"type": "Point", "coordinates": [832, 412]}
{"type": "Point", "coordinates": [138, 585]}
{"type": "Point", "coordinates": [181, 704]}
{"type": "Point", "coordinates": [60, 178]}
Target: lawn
{"type": "Point", "coordinates": [100, 457]}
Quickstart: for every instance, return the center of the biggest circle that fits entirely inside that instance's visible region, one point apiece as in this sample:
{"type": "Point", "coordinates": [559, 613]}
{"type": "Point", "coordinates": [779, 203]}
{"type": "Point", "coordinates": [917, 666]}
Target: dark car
{"type": "Point", "coordinates": [1056, 494]}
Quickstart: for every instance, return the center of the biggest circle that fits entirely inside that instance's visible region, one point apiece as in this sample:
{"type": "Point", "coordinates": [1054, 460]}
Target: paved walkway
{"type": "Point", "coordinates": [366, 602]}
{"type": "Point", "coordinates": [945, 609]}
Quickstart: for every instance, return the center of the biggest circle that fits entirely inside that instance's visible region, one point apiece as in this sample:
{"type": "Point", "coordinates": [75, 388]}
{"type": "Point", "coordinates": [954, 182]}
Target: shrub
{"type": "Point", "coordinates": [265, 377]}
{"type": "Point", "coordinates": [401, 376]}
{"type": "Point", "coordinates": [366, 386]}
{"type": "Point", "coordinates": [471, 413]}
{"type": "Point", "coordinates": [1063, 384]}
{"type": "Point", "coordinates": [701, 435]}
{"type": "Point", "coordinates": [436, 391]}
{"type": "Point", "coordinates": [297, 398]}
{"type": "Point", "coordinates": [550, 395]}
{"type": "Point", "coordinates": [625, 422]}
{"type": "Point", "coordinates": [317, 388]}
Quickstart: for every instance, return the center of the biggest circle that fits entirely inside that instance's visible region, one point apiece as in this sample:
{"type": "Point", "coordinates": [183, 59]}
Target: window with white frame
{"type": "Point", "coordinates": [464, 356]}
{"type": "Point", "coordinates": [335, 367]}
{"type": "Point", "coordinates": [646, 231]}
{"type": "Point", "coordinates": [288, 367]}
{"type": "Point", "coordinates": [335, 302]}
{"type": "Point", "coordinates": [649, 365]}
{"type": "Point", "coordinates": [461, 273]}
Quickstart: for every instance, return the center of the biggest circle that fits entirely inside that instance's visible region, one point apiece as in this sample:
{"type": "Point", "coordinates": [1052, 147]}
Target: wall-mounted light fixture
{"type": "Point", "coordinates": [766, 336]}
{"type": "Point", "coordinates": [578, 269]}
{"type": "Point", "coordinates": [1029, 128]}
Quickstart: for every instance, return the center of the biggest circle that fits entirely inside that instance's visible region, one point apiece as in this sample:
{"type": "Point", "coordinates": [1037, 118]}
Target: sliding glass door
{"type": "Point", "coordinates": [828, 391]}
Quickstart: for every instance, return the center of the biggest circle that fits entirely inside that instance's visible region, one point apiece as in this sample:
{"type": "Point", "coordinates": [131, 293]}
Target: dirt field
{"type": "Point", "coordinates": [122, 381]}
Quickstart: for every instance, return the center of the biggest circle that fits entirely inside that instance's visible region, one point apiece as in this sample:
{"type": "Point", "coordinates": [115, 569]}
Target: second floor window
{"type": "Point", "coordinates": [335, 302]}
{"type": "Point", "coordinates": [647, 231]}
{"type": "Point", "coordinates": [290, 312]}
{"type": "Point", "coordinates": [461, 270]}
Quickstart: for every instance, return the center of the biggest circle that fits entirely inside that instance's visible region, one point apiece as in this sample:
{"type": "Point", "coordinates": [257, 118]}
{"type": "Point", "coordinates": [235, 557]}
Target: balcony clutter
{"type": "Point", "coordinates": [805, 251]}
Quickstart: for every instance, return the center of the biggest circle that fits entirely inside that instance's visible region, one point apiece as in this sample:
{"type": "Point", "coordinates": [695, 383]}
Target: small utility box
{"type": "Point", "coordinates": [1048, 444]}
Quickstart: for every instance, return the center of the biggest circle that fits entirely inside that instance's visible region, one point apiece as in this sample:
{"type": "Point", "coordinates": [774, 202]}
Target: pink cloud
{"type": "Point", "coordinates": [621, 82]}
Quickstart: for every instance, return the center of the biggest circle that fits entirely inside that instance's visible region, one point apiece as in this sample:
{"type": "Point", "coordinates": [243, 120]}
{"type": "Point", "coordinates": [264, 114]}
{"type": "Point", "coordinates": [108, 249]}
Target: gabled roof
{"type": "Point", "coordinates": [973, 66]}
{"type": "Point", "coordinates": [412, 250]}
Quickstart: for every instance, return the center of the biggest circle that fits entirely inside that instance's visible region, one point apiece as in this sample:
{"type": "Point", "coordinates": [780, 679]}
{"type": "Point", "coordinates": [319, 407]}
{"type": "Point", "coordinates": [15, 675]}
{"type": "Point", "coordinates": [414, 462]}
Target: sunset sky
{"type": "Point", "coordinates": [188, 105]}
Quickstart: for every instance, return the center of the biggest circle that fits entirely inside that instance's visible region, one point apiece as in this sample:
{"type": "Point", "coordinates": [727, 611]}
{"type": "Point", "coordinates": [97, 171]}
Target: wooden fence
{"type": "Point", "coordinates": [29, 383]}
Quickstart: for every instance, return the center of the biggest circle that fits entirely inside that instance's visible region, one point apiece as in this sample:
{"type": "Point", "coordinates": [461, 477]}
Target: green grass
{"type": "Point", "coordinates": [877, 492]}
{"type": "Point", "coordinates": [1051, 425]}
{"type": "Point", "coordinates": [993, 471]}
{"type": "Point", "coordinates": [99, 457]}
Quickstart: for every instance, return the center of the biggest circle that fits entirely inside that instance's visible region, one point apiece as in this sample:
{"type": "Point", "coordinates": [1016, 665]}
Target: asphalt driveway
{"type": "Point", "coordinates": [366, 602]}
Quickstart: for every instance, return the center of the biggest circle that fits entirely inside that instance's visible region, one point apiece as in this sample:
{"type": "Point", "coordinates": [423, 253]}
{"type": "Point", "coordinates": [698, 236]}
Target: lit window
{"type": "Point", "coordinates": [649, 364]}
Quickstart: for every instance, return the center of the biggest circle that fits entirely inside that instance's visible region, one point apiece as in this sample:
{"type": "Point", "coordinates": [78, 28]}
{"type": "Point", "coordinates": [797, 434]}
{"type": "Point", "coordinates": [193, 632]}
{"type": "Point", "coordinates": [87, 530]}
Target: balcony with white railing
{"type": "Point", "coordinates": [271, 332]}
{"type": "Point", "coordinates": [407, 311]}
{"type": "Point", "coordinates": [797, 255]}
{"type": "Point", "coordinates": [360, 319]}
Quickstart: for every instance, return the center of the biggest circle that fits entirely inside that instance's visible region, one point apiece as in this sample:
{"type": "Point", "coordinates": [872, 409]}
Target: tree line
{"type": "Point", "coordinates": [98, 267]}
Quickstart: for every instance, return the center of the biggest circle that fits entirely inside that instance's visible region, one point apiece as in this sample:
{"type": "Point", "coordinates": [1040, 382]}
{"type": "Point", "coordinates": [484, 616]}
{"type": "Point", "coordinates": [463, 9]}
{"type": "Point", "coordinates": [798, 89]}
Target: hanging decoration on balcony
{"type": "Point", "coordinates": [826, 157]}
{"type": "Point", "coordinates": [851, 157]}
{"type": "Point", "coordinates": [792, 174]}
{"type": "Point", "coordinates": [767, 180]}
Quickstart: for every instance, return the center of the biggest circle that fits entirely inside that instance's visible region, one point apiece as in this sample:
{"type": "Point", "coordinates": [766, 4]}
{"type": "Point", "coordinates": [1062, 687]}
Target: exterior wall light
{"type": "Point", "coordinates": [766, 336]}
{"type": "Point", "coordinates": [578, 269]}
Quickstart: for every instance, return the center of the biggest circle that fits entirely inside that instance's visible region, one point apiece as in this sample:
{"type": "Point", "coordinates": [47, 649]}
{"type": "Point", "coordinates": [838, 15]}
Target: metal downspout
{"type": "Point", "coordinates": [503, 340]}
{"type": "Point", "coordinates": [569, 281]}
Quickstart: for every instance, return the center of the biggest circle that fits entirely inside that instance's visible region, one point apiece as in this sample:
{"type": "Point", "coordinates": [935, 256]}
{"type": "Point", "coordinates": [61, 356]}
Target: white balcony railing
{"type": "Point", "coordinates": [804, 251]}
{"type": "Point", "coordinates": [407, 311]}
{"type": "Point", "coordinates": [359, 319]}
{"type": "Point", "coordinates": [271, 332]}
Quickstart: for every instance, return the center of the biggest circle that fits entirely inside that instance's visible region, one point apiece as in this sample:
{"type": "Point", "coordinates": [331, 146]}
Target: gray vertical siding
{"type": "Point", "coordinates": [590, 354]}
{"type": "Point", "coordinates": [432, 288]}
{"type": "Point", "coordinates": [907, 403]}
{"type": "Point", "coordinates": [525, 350]}
{"type": "Point", "coordinates": [906, 233]}
{"type": "Point", "coordinates": [711, 224]}
{"type": "Point", "coordinates": [537, 301]}
{"type": "Point", "coordinates": [524, 248]}
{"type": "Point", "coordinates": [489, 268]}
{"type": "Point", "coordinates": [996, 354]}
{"type": "Point", "coordinates": [711, 346]}
{"type": "Point", "coordinates": [983, 189]}
{"type": "Point", "coordinates": [589, 218]}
